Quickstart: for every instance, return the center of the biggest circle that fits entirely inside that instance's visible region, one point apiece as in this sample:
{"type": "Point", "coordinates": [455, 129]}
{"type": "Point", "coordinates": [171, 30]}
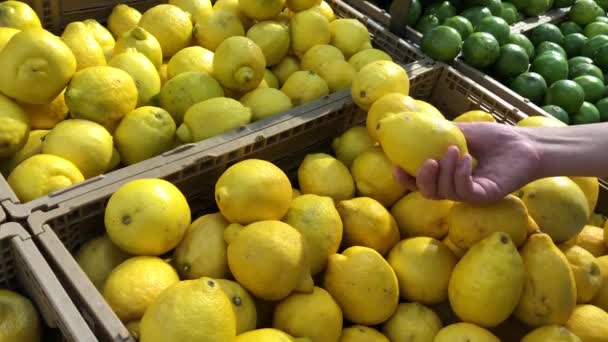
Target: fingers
{"type": "Point", "coordinates": [427, 179]}
{"type": "Point", "coordinates": [463, 180]}
{"type": "Point", "coordinates": [447, 170]}
{"type": "Point", "coordinates": [404, 179]}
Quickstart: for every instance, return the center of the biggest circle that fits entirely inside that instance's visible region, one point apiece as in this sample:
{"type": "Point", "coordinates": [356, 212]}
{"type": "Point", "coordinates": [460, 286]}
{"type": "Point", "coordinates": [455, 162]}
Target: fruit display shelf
{"type": "Point", "coordinates": [401, 51]}
{"type": "Point", "coordinates": [23, 269]}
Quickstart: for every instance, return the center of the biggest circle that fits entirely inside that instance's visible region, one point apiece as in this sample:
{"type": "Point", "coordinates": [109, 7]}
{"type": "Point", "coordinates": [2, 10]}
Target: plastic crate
{"type": "Point", "coordinates": [23, 269]}
{"type": "Point", "coordinates": [62, 230]}
{"type": "Point", "coordinates": [401, 51]}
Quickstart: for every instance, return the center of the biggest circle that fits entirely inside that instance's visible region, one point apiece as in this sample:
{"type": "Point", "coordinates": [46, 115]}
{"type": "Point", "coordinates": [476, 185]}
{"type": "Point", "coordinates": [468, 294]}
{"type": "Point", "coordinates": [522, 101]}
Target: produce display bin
{"type": "Point", "coordinates": [63, 229]}
{"type": "Point", "coordinates": [23, 269]}
{"type": "Point", "coordinates": [401, 51]}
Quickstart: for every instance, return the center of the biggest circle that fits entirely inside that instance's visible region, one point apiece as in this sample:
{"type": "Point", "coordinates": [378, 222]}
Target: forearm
{"type": "Point", "coordinates": [571, 151]}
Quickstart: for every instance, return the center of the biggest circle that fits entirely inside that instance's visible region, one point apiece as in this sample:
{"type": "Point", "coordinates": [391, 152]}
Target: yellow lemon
{"type": "Point", "coordinates": [86, 49]}
{"type": "Point", "coordinates": [597, 220]}
{"type": "Point", "coordinates": [540, 121]}
{"type": "Point", "coordinates": [212, 117]}
{"type": "Point", "coordinates": [98, 257]}
{"type": "Point", "coordinates": [193, 58]}
{"type": "Point", "coordinates": [589, 323]}
{"type": "Point", "coordinates": [20, 320]}
{"type": "Point", "coordinates": [191, 310]}
{"type": "Point", "coordinates": [318, 55]}
{"type": "Point", "coordinates": [141, 41]}
{"type": "Point", "coordinates": [339, 75]}
{"type": "Point", "coordinates": [6, 34]}
{"type": "Point", "coordinates": [162, 72]}
{"type": "Point", "coordinates": [267, 335]}
{"type": "Point", "coordinates": [42, 174]}
{"type": "Point", "coordinates": [272, 37]}
{"type": "Point", "coordinates": [324, 175]}
{"type": "Point", "coordinates": [475, 116]}
{"type": "Point", "coordinates": [213, 27]}
{"type": "Point", "coordinates": [253, 190]}
{"type": "Point", "coordinates": [295, 193]}
{"type": "Point", "coordinates": [373, 175]}
{"type": "Point", "coordinates": [587, 273]}
{"type": "Point", "coordinates": [266, 102]}
{"type": "Point", "coordinates": [463, 332]}
{"type": "Point", "coordinates": [388, 104]}
{"type": "Point", "coordinates": [412, 321]}
{"type": "Point", "coordinates": [315, 315]}
{"type": "Point", "coordinates": [32, 147]}
{"type": "Point", "coordinates": [591, 189]}
{"type": "Point", "coordinates": [418, 216]}
{"type": "Point", "coordinates": [365, 57]}
{"type": "Point", "coordinates": [14, 127]}
{"type": "Point", "coordinates": [592, 239]}
{"type": "Point", "coordinates": [193, 7]}
{"type": "Point", "coordinates": [428, 108]}
{"type": "Point", "coordinates": [423, 267]}
{"type": "Point", "coordinates": [302, 24]}
{"type": "Point", "coordinates": [305, 86]}
{"type": "Point", "coordinates": [123, 19]}
{"type": "Point", "coordinates": [46, 116]}
{"type": "Point", "coordinates": [378, 79]}
{"type": "Point", "coordinates": [100, 33]}
{"type": "Point", "coordinates": [233, 6]}
{"type": "Point", "coordinates": [301, 5]}
{"type": "Point", "coordinates": [24, 56]}
{"type": "Point", "coordinates": [281, 265]}
{"type": "Point", "coordinates": [360, 333]}
{"type": "Point", "coordinates": [170, 25]}
{"type": "Point", "coordinates": [187, 89]}
{"type": "Point", "coordinates": [458, 252]}
{"type": "Point", "coordinates": [269, 81]}
{"type": "Point", "coordinates": [551, 333]}
{"type": "Point", "coordinates": [242, 305]}
{"type": "Point", "coordinates": [325, 9]}
{"type": "Point", "coordinates": [144, 133]}
{"type": "Point", "coordinates": [202, 251]}
{"type": "Point", "coordinates": [601, 299]}
{"type": "Point", "coordinates": [351, 144]}
{"type": "Point", "coordinates": [239, 64]}
{"type": "Point", "coordinates": [143, 73]}
{"type": "Point", "coordinates": [286, 67]}
{"type": "Point", "coordinates": [261, 9]}
{"type": "Point", "coordinates": [147, 217]}
{"type": "Point", "coordinates": [350, 36]}
{"type": "Point", "coordinates": [18, 15]}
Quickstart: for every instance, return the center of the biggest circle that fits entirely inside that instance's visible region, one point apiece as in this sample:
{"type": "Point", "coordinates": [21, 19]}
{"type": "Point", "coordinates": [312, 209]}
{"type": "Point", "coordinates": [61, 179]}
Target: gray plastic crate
{"type": "Point", "coordinates": [23, 269]}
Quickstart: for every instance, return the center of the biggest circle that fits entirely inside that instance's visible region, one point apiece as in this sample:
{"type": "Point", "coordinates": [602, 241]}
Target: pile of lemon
{"type": "Point", "coordinates": [78, 105]}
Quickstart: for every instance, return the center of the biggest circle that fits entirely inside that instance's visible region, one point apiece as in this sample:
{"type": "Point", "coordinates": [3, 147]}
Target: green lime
{"type": "Point", "coordinates": [520, 4]}
{"type": "Point", "coordinates": [566, 94]}
{"type": "Point", "coordinates": [550, 46]}
{"type": "Point", "coordinates": [602, 107]}
{"type": "Point", "coordinates": [546, 33]}
{"type": "Point", "coordinates": [512, 61]}
{"type": "Point", "coordinates": [601, 19]}
{"type": "Point", "coordinates": [586, 69]}
{"type": "Point", "coordinates": [523, 41]}
{"type": "Point", "coordinates": [595, 29]}
{"type": "Point", "coordinates": [572, 62]}
{"type": "Point", "coordinates": [603, 4]}
{"type": "Point", "coordinates": [426, 23]}
{"type": "Point", "coordinates": [460, 24]}
{"type": "Point", "coordinates": [600, 57]}
{"type": "Point", "coordinates": [593, 87]}
{"type": "Point", "coordinates": [587, 114]}
{"type": "Point", "coordinates": [552, 66]}
{"type": "Point", "coordinates": [569, 27]}
{"type": "Point", "coordinates": [593, 44]}
{"type": "Point", "coordinates": [558, 113]}
{"type": "Point", "coordinates": [495, 26]}
{"type": "Point", "coordinates": [476, 13]}
{"type": "Point", "coordinates": [508, 12]}
{"type": "Point", "coordinates": [495, 6]}
{"type": "Point", "coordinates": [442, 10]}
{"type": "Point", "coordinates": [414, 13]}
{"type": "Point", "coordinates": [442, 43]}
{"type": "Point", "coordinates": [533, 7]}
{"type": "Point", "coordinates": [563, 3]}
{"type": "Point", "coordinates": [530, 85]}
{"type": "Point", "coordinates": [480, 49]}
{"type": "Point", "coordinates": [573, 44]}
{"type": "Point", "coordinates": [584, 12]}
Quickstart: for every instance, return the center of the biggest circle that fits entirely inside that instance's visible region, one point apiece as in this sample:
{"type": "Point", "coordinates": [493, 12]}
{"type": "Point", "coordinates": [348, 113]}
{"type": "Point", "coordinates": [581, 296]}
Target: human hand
{"type": "Point", "coordinates": [507, 159]}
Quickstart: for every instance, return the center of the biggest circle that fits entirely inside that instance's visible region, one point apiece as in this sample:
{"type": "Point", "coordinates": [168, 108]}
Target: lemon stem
{"type": "Point", "coordinates": [244, 74]}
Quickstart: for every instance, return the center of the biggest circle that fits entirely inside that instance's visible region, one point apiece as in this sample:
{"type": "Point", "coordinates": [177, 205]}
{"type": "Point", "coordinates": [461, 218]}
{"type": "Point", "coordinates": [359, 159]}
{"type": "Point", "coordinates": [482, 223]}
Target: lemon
{"type": "Point", "coordinates": [46, 116]}
{"type": "Point", "coordinates": [318, 55]}
{"type": "Point", "coordinates": [458, 252]}
{"type": "Point", "coordinates": [411, 138]}
{"type": "Point", "coordinates": [239, 64]}
{"type": "Point", "coordinates": [464, 332]}
{"type": "Point", "coordinates": [363, 284]}
{"type": "Point", "coordinates": [301, 5]}
{"type": "Point", "coordinates": [423, 267]}
{"type": "Point", "coordinates": [86, 49]}
{"type": "Point", "coordinates": [365, 57]}
{"type": "Point", "coordinates": [360, 333]}
{"type": "Point", "coordinates": [147, 217]}
{"type": "Point", "coordinates": [187, 89]}
{"type": "Point", "coordinates": [587, 273]}
{"type": "Point", "coordinates": [378, 79]}
{"type": "Point", "coordinates": [339, 75]}
{"type": "Point", "coordinates": [269, 81]}
{"type": "Point", "coordinates": [351, 144]}
{"type": "Point", "coordinates": [143, 72]}
{"type": "Point", "coordinates": [592, 239]}
{"type": "Point", "coordinates": [213, 27]}
{"type": "Point", "coordinates": [144, 133]}
{"type": "Point", "coordinates": [295, 193]}
{"type": "Point", "coordinates": [20, 320]}
{"type": "Point", "coordinates": [162, 72]}
{"type": "Point", "coordinates": [302, 23]}
{"type": "Point", "coordinates": [325, 9]}
{"type": "Point", "coordinates": [281, 265]}
{"type": "Point", "coordinates": [193, 7]}
{"type": "Point", "coordinates": [589, 323]}
{"type": "Point", "coordinates": [388, 104]}
{"type": "Point", "coordinates": [18, 15]}
{"type": "Point", "coordinates": [601, 299]}
{"type": "Point", "coordinates": [428, 108]}
{"type": "Point", "coordinates": [261, 9]}
{"type": "Point", "coordinates": [266, 102]}
{"type": "Point", "coordinates": [102, 94]}
{"type": "Point", "coordinates": [98, 257]}
{"type": "Point", "coordinates": [170, 25]}
{"type": "Point", "coordinates": [272, 37]}
{"type": "Point", "coordinates": [412, 321]}
{"type": "Point", "coordinates": [286, 67]}
{"type": "Point", "coordinates": [597, 220]}
{"type": "Point", "coordinates": [191, 310]}
{"type": "Point", "coordinates": [324, 175]}
{"type": "Point", "coordinates": [551, 333]}
{"type": "Point", "coordinates": [591, 189]}
{"type": "Point", "coordinates": [22, 59]}
{"type": "Point", "coordinates": [267, 335]}
{"type": "Point", "coordinates": [475, 116]}
{"type": "Point", "coordinates": [233, 6]}
{"type": "Point", "coordinates": [123, 19]}
{"type": "Point", "coordinates": [14, 127]}
{"type": "Point", "coordinates": [193, 58]}
{"type": "Point", "coordinates": [42, 174]}
{"type": "Point", "coordinates": [100, 33]}
{"type": "Point", "coordinates": [242, 305]}
{"type": "Point", "coordinates": [373, 175]}
{"type": "Point", "coordinates": [212, 117]}
{"type": "Point", "coordinates": [141, 41]}
{"type": "Point", "coordinates": [418, 216]}
{"type": "Point", "coordinates": [540, 121]}
{"type": "Point", "coordinates": [32, 147]}
{"type": "Point", "coordinates": [350, 36]}
{"type": "Point", "coordinates": [253, 190]}
{"type": "Point", "coordinates": [202, 251]}
{"type": "Point", "coordinates": [315, 315]}
{"type": "Point", "coordinates": [305, 86]}
{"type": "Point", "coordinates": [6, 33]}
